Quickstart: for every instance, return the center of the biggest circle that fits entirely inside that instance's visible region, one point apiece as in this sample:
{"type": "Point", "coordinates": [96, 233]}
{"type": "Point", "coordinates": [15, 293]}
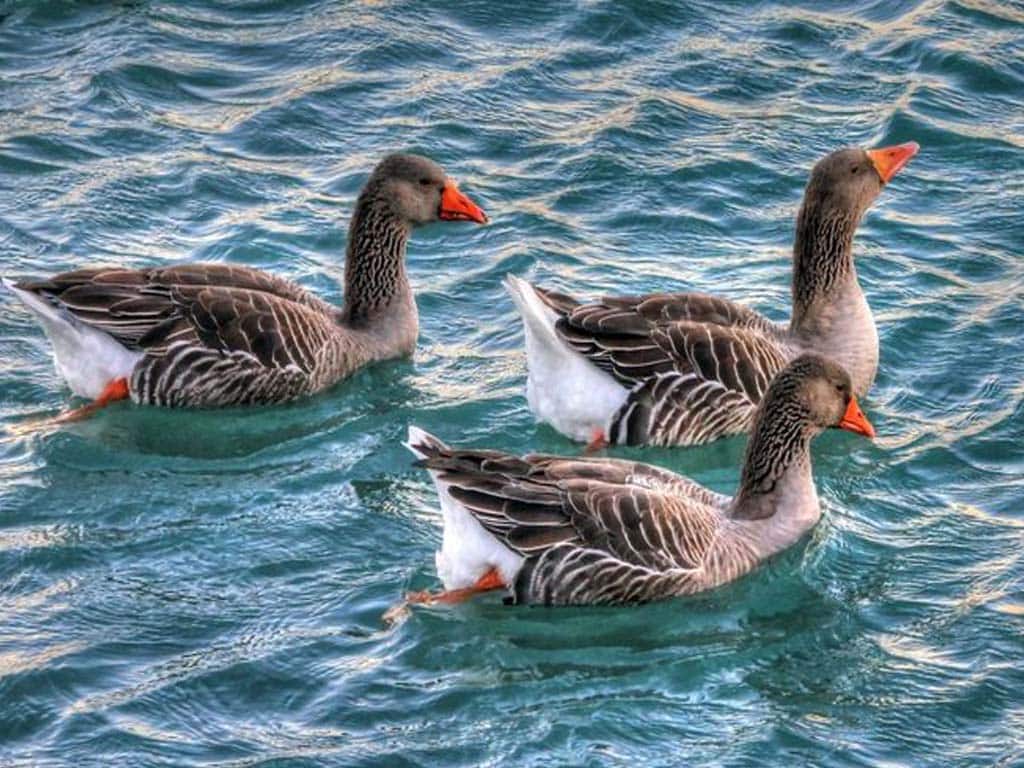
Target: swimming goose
{"type": "Point", "coordinates": [688, 368]}
{"type": "Point", "coordinates": [205, 335]}
{"type": "Point", "coordinates": [592, 531]}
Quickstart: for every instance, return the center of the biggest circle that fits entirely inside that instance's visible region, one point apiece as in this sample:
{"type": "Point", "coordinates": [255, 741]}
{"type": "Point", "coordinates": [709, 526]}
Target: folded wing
{"type": "Point", "coordinates": [697, 365]}
{"type": "Point", "coordinates": [211, 334]}
{"type": "Point", "coordinates": [591, 531]}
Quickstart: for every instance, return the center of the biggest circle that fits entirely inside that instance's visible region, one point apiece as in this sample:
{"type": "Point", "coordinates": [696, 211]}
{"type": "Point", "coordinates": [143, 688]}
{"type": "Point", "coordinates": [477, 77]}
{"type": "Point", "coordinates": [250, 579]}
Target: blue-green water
{"type": "Point", "coordinates": [206, 588]}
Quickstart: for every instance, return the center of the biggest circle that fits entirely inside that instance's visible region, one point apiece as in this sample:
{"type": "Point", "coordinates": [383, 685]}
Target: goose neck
{"type": "Point", "coordinates": [776, 479]}
{"type": "Point", "coordinates": [822, 261]}
{"type": "Point", "coordinates": [375, 276]}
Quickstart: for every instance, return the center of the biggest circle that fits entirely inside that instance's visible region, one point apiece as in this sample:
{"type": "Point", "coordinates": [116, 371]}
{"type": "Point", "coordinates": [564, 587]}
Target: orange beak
{"type": "Point", "coordinates": [455, 206]}
{"type": "Point", "coordinates": [889, 160]}
{"type": "Point", "coordinates": [854, 420]}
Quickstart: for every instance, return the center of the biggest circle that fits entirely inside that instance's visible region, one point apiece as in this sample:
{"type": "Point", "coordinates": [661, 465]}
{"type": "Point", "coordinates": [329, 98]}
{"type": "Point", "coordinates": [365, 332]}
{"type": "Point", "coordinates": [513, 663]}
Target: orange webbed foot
{"type": "Point", "coordinates": [491, 580]}
{"type": "Point", "coordinates": [115, 390]}
{"type": "Point", "coordinates": [598, 442]}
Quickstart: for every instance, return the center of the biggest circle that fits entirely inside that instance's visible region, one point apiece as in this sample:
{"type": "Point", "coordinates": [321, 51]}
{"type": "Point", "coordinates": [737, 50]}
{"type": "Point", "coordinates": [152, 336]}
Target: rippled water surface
{"type": "Point", "coordinates": [207, 588]}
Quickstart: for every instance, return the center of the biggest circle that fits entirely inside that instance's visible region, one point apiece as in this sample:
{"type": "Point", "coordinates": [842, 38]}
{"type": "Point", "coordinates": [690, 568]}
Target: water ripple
{"type": "Point", "coordinates": [207, 588]}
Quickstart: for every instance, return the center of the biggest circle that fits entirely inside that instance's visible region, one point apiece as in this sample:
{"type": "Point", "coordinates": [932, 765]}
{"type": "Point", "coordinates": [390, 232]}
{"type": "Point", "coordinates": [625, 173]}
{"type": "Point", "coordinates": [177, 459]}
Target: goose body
{"type": "Point", "coordinates": [209, 335]}
{"type": "Point", "coordinates": [573, 531]}
{"type": "Point", "coordinates": [688, 368]}
{"type": "Point", "coordinates": [662, 369]}
{"type": "Point", "coordinates": [200, 335]}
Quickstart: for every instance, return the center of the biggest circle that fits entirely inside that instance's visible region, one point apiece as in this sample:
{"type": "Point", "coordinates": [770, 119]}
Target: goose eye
{"type": "Point", "coordinates": [424, 182]}
{"type": "Point", "coordinates": [855, 169]}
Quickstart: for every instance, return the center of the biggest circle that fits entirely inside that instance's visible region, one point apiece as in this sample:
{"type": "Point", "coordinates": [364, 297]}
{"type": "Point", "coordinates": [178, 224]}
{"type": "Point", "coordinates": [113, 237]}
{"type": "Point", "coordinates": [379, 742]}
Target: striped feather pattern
{"type": "Point", "coordinates": [212, 334]}
{"type": "Point", "coordinates": [606, 531]}
{"type": "Point", "coordinates": [594, 531]}
{"type": "Point", "coordinates": [696, 365]}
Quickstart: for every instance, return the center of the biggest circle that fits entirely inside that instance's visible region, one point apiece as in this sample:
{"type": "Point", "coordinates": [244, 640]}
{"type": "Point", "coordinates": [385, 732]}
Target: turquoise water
{"type": "Point", "coordinates": [207, 588]}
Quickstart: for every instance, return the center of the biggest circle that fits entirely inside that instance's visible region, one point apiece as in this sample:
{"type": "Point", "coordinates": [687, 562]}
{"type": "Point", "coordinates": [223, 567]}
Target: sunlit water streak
{"type": "Point", "coordinates": [208, 587]}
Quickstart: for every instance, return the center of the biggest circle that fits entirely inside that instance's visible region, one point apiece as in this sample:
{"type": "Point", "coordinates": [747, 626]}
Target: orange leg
{"type": "Point", "coordinates": [598, 442]}
{"type": "Point", "coordinates": [115, 390]}
{"type": "Point", "coordinates": [489, 581]}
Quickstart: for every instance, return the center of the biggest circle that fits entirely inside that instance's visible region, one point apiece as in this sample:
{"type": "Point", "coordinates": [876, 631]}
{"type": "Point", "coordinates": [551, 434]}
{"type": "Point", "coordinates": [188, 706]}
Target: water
{"type": "Point", "coordinates": [207, 588]}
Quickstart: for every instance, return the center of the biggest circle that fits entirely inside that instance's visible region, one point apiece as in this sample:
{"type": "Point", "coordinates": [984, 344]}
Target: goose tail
{"type": "Point", "coordinates": [563, 388]}
{"type": "Point", "coordinates": [421, 443]}
{"type": "Point", "coordinates": [86, 358]}
{"type": "Point", "coordinates": [467, 550]}
{"type": "Point", "coordinates": [539, 315]}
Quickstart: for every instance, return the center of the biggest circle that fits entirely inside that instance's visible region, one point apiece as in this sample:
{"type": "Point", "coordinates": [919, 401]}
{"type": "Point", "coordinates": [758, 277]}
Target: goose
{"type": "Point", "coordinates": [210, 335]}
{"type": "Point", "coordinates": [688, 368]}
{"type": "Point", "coordinates": [553, 530]}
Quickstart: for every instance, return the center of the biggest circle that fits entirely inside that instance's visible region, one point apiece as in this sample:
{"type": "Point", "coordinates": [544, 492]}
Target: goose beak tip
{"type": "Point", "coordinates": [889, 161]}
{"type": "Point", "coordinates": [455, 206]}
{"type": "Point", "coordinates": [855, 421]}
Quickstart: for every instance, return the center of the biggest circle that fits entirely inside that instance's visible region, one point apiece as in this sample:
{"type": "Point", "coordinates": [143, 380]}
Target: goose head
{"type": "Point", "coordinates": [805, 398]}
{"type": "Point", "coordinates": [850, 179]}
{"type": "Point", "coordinates": [842, 186]}
{"type": "Point", "coordinates": [420, 192]}
{"type": "Point", "coordinates": [823, 394]}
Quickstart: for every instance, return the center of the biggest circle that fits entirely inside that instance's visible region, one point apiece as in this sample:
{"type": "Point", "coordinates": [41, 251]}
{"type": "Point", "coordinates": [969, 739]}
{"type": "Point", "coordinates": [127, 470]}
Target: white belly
{"type": "Point", "coordinates": [87, 359]}
{"type": "Point", "coordinates": [563, 388]}
{"type": "Point", "coordinates": [468, 551]}
{"type": "Point", "coordinates": [569, 392]}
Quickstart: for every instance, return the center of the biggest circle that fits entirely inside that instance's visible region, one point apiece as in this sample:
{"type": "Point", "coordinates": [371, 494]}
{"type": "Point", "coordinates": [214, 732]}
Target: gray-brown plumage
{"type": "Point", "coordinates": [216, 335]}
{"type": "Point", "coordinates": [573, 531]}
{"type": "Point", "coordinates": [683, 369]}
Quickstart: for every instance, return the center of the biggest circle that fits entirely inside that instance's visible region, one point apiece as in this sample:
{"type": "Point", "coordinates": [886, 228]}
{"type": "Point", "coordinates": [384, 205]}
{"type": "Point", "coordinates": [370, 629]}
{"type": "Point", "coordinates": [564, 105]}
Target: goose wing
{"type": "Point", "coordinates": [627, 336]}
{"type": "Point", "coordinates": [591, 531]}
{"type": "Point", "coordinates": [232, 346]}
{"type": "Point", "coordinates": [212, 335]}
{"type": "Point", "coordinates": [696, 365]}
{"type": "Point", "coordinates": [130, 304]}
{"type": "Point", "coordinates": [709, 388]}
